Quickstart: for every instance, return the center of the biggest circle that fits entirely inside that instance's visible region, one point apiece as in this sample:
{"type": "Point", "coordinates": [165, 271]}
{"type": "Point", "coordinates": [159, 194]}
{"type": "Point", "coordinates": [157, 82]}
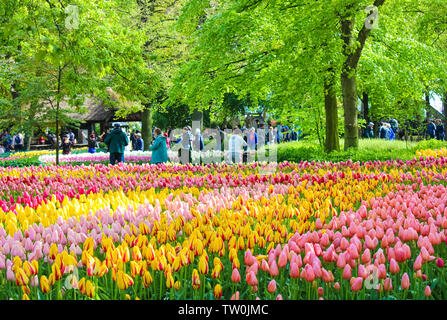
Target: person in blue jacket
{"type": "Point", "coordinates": [139, 143]}
{"type": "Point", "coordinates": [431, 129]}
{"type": "Point", "coordinates": [159, 148]}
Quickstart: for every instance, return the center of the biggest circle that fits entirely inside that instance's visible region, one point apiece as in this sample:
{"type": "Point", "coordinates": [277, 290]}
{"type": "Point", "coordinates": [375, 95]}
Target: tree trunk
{"type": "Point", "coordinates": [349, 88]}
{"type": "Point", "coordinates": [28, 137]}
{"type": "Point", "coordinates": [57, 133]}
{"type": "Point", "coordinates": [349, 84]}
{"type": "Point", "coordinates": [365, 102]}
{"type": "Point", "coordinates": [427, 104]}
{"type": "Point", "coordinates": [352, 51]}
{"type": "Point", "coordinates": [444, 105]}
{"type": "Point", "coordinates": [332, 142]}
{"type": "Point", "coordinates": [146, 126]}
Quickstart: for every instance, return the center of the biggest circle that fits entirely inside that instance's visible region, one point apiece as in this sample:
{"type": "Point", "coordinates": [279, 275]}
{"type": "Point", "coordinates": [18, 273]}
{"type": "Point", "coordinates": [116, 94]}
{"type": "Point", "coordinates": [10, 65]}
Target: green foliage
{"type": "Point", "coordinates": [176, 117]}
{"type": "Point", "coordinates": [21, 162]}
{"type": "Point", "coordinates": [369, 150]}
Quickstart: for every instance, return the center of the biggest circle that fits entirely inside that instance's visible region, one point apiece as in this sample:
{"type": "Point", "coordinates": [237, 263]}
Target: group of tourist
{"type": "Point", "coordinates": [435, 129]}
{"type": "Point", "coordinates": [11, 142]}
{"type": "Point", "coordinates": [388, 130]}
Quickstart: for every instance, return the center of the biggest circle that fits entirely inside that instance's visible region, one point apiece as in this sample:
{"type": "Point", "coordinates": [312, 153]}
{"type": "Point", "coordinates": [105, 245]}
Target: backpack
{"type": "Point", "coordinates": [17, 140]}
{"type": "Point", "coordinates": [92, 143]}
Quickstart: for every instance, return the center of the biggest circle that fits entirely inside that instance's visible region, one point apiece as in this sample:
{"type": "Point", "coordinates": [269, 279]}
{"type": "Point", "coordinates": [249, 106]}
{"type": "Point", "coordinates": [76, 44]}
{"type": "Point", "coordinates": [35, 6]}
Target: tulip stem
{"type": "Point", "coordinates": [161, 283]}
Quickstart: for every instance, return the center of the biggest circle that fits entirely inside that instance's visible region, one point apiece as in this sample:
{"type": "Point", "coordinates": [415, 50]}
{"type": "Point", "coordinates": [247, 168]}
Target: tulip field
{"type": "Point", "coordinates": [309, 230]}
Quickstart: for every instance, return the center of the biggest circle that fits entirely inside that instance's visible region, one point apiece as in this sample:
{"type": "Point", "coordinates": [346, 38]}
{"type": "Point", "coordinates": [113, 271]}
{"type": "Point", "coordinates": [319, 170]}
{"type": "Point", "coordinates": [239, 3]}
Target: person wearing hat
{"type": "Point", "coordinates": [370, 131]}
{"type": "Point", "coordinates": [116, 141]}
{"type": "Point", "coordinates": [139, 143]}
{"type": "Point", "coordinates": [431, 129]}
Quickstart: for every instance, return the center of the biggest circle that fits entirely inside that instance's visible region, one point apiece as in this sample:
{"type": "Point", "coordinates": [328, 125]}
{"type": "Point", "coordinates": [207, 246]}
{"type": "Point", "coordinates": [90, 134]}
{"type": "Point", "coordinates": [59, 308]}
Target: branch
{"type": "Point", "coordinates": [353, 59]}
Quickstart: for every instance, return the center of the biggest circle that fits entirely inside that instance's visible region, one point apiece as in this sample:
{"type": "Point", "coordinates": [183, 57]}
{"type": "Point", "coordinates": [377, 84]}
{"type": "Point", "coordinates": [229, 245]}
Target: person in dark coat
{"type": "Point", "coordinates": [159, 148]}
{"type": "Point", "coordinates": [383, 131]}
{"type": "Point", "coordinates": [92, 143]}
{"type": "Point", "coordinates": [116, 141]}
{"type": "Point", "coordinates": [66, 145]}
{"type": "Point", "coordinates": [133, 138]}
{"type": "Point", "coordinates": [370, 131]}
{"type": "Point", "coordinates": [139, 143]}
{"type": "Point", "coordinates": [431, 129]}
{"type": "Point", "coordinates": [440, 130]}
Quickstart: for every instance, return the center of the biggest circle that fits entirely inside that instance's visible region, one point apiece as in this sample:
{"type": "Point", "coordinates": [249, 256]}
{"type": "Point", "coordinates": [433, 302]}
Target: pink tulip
{"type": "Point", "coordinates": [388, 284]}
{"type": "Point", "coordinates": [427, 291]}
{"type": "Point", "coordinates": [251, 279]}
{"type": "Point", "coordinates": [440, 263]}
{"type": "Point", "coordinates": [418, 263]}
{"type": "Point", "coordinates": [309, 273]}
{"type": "Point", "coordinates": [320, 291]}
{"type": "Point", "coordinates": [394, 267]}
{"type": "Point", "coordinates": [294, 271]}
{"type": "Point", "coordinates": [264, 266]}
{"type": "Point", "coordinates": [271, 286]}
{"type": "Point", "coordinates": [405, 282]}
{"type": "Point", "coordinates": [282, 261]}
{"type": "Point", "coordinates": [235, 276]}
{"type": "Point", "coordinates": [235, 296]}
{"type": "Point", "coordinates": [273, 269]}
{"type": "Point", "coordinates": [357, 284]}
{"type": "Point", "coordinates": [347, 272]}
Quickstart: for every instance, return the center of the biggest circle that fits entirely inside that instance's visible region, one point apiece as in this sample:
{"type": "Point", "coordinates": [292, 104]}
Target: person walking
{"type": "Point", "coordinates": [116, 141]}
{"type": "Point", "coordinates": [236, 145]}
{"type": "Point", "coordinates": [133, 138]}
{"type": "Point", "coordinates": [431, 129]}
{"type": "Point", "coordinates": [391, 134]}
{"type": "Point", "coordinates": [159, 148]}
{"type": "Point", "coordinates": [92, 143]}
{"type": "Point", "coordinates": [71, 136]}
{"type": "Point", "coordinates": [383, 131]}
{"type": "Point", "coordinates": [184, 153]}
{"type": "Point", "coordinates": [440, 130]}
{"type": "Point", "coordinates": [139, 143]}
{"type": "Point", "coordinates": [18, 142]}
{"type": "Point", "coordinates": [252, 139]}
{"type": "Point", "coordinates": [198, 141]}
{"type": "Point", "coordinates": [66, 145]}
{"type": "Point", "coordinates": [7, 142]}
{"type": "Point", "coordinates": [370, 131]}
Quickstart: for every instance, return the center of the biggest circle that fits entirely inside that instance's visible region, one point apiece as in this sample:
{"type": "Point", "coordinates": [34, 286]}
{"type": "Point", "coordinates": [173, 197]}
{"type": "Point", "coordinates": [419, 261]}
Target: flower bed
{"type": "Point", "coordinates": [309, 230]}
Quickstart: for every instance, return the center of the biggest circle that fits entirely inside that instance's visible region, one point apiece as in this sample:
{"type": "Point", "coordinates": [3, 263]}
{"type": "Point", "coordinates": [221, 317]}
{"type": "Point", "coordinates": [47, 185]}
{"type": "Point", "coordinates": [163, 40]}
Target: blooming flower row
{"type": "Point", "coordinates": [308, 230]}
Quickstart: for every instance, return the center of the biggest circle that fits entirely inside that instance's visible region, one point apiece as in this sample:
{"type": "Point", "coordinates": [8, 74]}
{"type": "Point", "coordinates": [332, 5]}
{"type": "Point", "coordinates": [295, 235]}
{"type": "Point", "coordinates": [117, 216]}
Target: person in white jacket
{"type": "Point", "coordinates": [236, 145]}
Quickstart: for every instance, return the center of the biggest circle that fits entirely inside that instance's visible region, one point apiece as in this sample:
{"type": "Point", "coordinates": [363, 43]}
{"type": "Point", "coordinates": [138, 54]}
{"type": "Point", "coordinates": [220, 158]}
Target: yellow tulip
{"type": "Point", "coordinates": [147, 279]}
{"type": "Point", "coordinates": [44, 284]}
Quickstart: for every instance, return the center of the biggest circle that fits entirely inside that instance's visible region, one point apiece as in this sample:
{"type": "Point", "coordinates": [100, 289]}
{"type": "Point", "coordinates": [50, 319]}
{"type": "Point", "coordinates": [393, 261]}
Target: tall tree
{"type": "Point", "coordinates": [68, 57]}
